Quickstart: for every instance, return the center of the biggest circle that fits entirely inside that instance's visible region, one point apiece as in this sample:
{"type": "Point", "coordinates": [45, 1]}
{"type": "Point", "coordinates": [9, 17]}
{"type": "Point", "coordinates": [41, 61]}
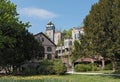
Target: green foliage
{"type": "Point", "coordinates": [76, 51]}
{"type": "Point", "coordinates": [102, 30]}
{"type": "Point", "coordinates": [108, 66]}
{"type": "Point", "coordinates": [65, 34]}
{"type": "Point", "coordinates": [59, 67]}
{"type": "Point", "coordinates": [82, 68]}
{"type": "Point", "coordinates": [118, 68]}
{"type": "Point", "coordinates": [45, 67]}
{"type": "Point", "coordinates": [51, 67]}
{"type": "Point", "coordinates": [29, 69]}
{"type": "Point", "coordinates": [16, 44]}
{"type": "Point", "coordinates": [85, 67]}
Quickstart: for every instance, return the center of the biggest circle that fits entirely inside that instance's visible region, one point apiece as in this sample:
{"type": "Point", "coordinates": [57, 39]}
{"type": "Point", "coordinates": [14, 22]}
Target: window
{"type": "Point", "coordinates": [49, 56]}
{"type": "Point", "coordinates": [38, 39]}
{"type": "Point", "coordinates": [70, 43]}
{"type": "Point", "coordinates": [42, 39]}
{"type": "Point", "coordinates": [49, 49]}
{"type": "Point", "coordinates": [75, 35]}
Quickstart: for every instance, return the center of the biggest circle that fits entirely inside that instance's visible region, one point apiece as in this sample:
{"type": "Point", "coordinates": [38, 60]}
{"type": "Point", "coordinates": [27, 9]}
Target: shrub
{"type": "Point", "coordinates": [29, 70]}
{"type": "Point", "coordinates": [93, 67]}
{"type": "Point", "coordinates": [108, 66]}
{"type": "Point", "coordinates": [59, 67]}
{"type": "Point", "coordinates": [82, 68]}
{"type": "Point", "coordinates": [45, 67]}
{"type": "Point", "coordinates": [118, 68]}
{"type": "Point", "coordinates": [85, 67]}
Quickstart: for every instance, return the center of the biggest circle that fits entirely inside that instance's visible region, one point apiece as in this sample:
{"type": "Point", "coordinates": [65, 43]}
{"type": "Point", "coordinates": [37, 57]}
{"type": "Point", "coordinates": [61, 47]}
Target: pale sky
{"type": "Point", "coordinates": [65, 14]}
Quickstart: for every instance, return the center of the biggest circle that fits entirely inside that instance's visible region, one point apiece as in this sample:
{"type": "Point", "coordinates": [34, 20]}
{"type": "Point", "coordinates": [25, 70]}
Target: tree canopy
{"type": "Point", "coordinates": [17, 45]}
{"type": "Point", "coordinates": [102, 29]}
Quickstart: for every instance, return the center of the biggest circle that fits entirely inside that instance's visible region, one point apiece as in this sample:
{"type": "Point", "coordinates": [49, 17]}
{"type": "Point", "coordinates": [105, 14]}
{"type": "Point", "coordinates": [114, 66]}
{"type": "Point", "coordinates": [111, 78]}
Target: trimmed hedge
{"type": "Point", "coordinates": [108, 66]}
{"type": "Point", "coordinates": [85, 67]}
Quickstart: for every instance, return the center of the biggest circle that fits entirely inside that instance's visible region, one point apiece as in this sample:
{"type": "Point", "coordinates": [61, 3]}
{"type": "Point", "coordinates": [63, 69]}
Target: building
{"type": "Point", "coordinates": [64, 51]}
{"type": "Point", "coordinates": [50, 31]}
{"type": "Point", "coordinates": [76, 33]}
{"type": "Point", "coordinates": [57, 37]}
{"type": "Point", "coordinates": [49, 46]}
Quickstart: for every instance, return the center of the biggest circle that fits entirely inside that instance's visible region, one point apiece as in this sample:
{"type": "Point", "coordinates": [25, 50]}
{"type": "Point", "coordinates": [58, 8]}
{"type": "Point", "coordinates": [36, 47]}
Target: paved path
{"type": "Point", "coordinates": [86, 73]}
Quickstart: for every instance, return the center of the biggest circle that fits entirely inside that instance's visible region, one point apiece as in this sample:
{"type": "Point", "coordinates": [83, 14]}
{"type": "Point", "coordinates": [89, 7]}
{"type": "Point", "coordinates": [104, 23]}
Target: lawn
{"type": "Point", "coordinates": [55, 78]}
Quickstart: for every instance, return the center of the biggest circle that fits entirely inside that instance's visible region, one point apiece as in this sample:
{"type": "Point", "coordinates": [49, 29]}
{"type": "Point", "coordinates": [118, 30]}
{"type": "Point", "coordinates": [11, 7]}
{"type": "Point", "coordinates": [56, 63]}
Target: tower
{"type": "Point", "coordinates": [50, 30]}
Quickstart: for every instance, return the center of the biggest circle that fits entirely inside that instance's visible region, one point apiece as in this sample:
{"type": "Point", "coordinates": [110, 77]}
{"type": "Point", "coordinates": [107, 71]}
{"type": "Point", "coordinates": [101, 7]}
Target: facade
{"type": "Point", "coordinates": [49, 46]}
{"type": "Point", "coordinates": [64, 49]}
{"type": "Point", "coordinates": [57, 37]}
{"type": "Point", "coordinates": [50, 31]}
{"type": "Point", "coordinates": [54, 36]}
{"type": "Point", "coordinates": [76, 33]}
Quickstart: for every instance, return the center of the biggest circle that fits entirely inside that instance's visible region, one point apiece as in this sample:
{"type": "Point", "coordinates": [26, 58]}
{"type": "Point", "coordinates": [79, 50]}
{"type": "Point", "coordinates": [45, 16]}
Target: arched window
{"type": "Point", "coordinates": [49, 49]}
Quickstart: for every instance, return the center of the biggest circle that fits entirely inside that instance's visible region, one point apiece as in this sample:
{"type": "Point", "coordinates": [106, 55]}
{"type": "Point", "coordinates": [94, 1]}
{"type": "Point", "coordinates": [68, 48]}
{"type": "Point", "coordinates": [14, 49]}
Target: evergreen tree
{"type": "Point", "coordinates": [102, 30]}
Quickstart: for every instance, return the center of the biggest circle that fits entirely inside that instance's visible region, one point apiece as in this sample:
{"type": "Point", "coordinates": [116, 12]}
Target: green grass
{"type": "Point", "coordinates": [102, 71]}
{"type": "Point", "coordinates": [65, 78]}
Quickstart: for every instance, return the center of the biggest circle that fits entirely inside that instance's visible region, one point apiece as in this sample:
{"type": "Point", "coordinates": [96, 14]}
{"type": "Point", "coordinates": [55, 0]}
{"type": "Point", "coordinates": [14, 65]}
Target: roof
{"type": "Point", "coordinates": [50, 23]}
{"type": "Point", "coordinates": [85, 60]}
{"type": "Point", "coordinates": [46, 37]}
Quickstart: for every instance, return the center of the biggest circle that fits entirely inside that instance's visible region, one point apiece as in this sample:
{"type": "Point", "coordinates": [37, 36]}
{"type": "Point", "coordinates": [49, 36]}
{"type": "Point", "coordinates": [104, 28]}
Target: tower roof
{"type": "Point", "coordinates": [50, 23]}
{"type": "Point", "coordinates": [50, 26]}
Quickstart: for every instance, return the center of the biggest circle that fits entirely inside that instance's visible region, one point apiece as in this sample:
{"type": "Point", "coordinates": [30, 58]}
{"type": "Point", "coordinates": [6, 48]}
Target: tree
{"type": "Point", "coordinates": [17, 45]}
{"type": "Point", "coordinates": [65, 34]}
{"type": "Point", "coordinates": [76, 51]}
{"type": "Point", "coordinates": [102, 30]}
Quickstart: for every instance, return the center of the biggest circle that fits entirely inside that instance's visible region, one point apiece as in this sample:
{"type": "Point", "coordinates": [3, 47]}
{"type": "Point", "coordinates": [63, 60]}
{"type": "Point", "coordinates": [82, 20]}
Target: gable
{"type": "Point", "coordinates": [44, 39]}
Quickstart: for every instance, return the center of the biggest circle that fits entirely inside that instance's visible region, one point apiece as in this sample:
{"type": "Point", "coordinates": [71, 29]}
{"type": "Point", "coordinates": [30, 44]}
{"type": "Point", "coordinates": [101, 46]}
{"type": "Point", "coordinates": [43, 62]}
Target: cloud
{"type": "Point", "coordinates": [35, 12]}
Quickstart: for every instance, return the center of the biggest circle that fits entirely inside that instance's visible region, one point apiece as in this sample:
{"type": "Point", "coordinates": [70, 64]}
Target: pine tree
{"type": "Point", "coordinates": [102, 30]}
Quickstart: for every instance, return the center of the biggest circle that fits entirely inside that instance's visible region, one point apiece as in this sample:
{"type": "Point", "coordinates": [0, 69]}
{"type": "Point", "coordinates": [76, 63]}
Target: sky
{"type": "Point", "coordinates": [65, 14]}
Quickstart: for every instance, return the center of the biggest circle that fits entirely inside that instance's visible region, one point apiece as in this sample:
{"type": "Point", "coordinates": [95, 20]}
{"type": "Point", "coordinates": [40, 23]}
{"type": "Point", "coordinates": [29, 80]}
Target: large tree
{"type": "Point", "coordinates": [17, 45]}
{"type": "Point", "coordinates": [102, 30]}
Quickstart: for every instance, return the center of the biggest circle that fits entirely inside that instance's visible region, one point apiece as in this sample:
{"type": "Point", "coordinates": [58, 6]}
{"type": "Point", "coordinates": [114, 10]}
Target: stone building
{"type": "Point", "coordinates": [49, 46]}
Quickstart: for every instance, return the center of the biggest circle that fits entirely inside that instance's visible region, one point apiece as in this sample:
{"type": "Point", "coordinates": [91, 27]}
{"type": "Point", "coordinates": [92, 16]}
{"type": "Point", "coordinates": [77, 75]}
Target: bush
{"type": "Point", "coordinates": [118, 68]}
{"type": "Point", "coordinates": [94, 67]}
{"type": "Point", "coordinates": [108, 66]}
{"type": "Point", "coordinates": [82, 68]}
{"type": "Point", "coordinates": [29, 69]}
{"type": "Point", "coordinates": [51, 67]}
{"type": "Point", "coordinates": [85, 67]}
{"type": "Point", "coordinates": [45, 67]}
{"type": "Point", "coordinates": [59, 67]}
